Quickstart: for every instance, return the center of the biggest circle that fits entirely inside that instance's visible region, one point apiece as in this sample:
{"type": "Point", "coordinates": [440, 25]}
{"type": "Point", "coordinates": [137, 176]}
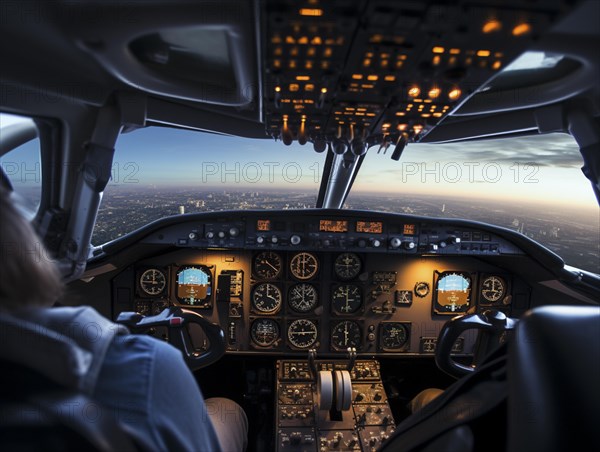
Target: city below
{"type": "Point", "coordinates": [572, 235]}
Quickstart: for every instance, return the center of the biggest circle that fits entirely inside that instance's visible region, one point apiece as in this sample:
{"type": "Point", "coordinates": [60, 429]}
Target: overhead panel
{"type": "Point", "coordinates": [379, 72]}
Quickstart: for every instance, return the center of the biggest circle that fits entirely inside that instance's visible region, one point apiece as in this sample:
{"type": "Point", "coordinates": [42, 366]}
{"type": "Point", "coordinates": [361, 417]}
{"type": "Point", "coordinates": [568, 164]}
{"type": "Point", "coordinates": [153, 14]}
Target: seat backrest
{"type": "Point", "coordinates": [38, 414]}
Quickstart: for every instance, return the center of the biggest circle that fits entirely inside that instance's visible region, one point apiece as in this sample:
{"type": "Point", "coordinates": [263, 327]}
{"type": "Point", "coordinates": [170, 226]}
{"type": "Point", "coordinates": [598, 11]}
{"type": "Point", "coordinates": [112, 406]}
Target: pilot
{"type": "Point", "coordinates": [143, 382]}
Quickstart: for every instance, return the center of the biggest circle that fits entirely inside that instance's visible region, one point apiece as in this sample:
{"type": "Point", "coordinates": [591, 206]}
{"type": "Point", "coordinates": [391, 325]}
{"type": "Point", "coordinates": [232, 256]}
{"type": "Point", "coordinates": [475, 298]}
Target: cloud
{"type": "Point", "coordinates": [552, 150]}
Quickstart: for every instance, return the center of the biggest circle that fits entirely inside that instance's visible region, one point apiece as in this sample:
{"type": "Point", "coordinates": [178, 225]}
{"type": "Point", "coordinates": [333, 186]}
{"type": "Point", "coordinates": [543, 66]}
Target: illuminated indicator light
{"type": "Point", "coordinates": [427, 101]}
{"type": "Point", "coordinates": [308, 64]}
{"type": "Point", "coordinates": [498, 54]}
{"type": "Point", "coordinates": [390, 78]}
{"type": "Point", "coordinates": [278, 89]}
{"type": "Point", "coordinates": [367, 62]}
{"type": "Point", "coordinates": [403, 57]}
{"type": "Point", "coordinates": [311, 51]}
{"type": "Point", "coordinates": [330, 41]}
{"type": "Point", "coordinates": [278, 51]}
{"type": "Point", "coordinates": [367, 86]}
{"type": "Point", "coordinates": [385, 63]}
{"type": "Point", "coordinates": [454, 51]}
{"type": "Point", "coordinates": [294, 51]}
{"type": "Point", "coordinates": [290, 40]}
{"type": "Point", "coordinates": [418, 101]}
{"type": "Point", "coordinates": [421, 107]}
{"type": "Point", "coordinates": [438, 115]}
{"type": "Point", "coordinates": [324, 64]}
{"type": "Point", "coordinates": [384, 56]}
{"type": "Point", "coordinates": [438, 49]}
{"type": "Point", "coordinates": [370, 114]}
{"type": "Point", "coordinates": [483, 53]}
{"type": "Point", "coordinates": [376, 38]}
{"type": "Point", "coordinates": [361, 109]}
{"type": "Point", "coordinates": [452, 60]}
{"type": "Point", "coordinates": [414, 91]}
{"type": "Point", "coordinates": [350, 108]}
{"type": "Point", "coordinates": [369, 55]}
{"type": "Point", "coordinates": [497, 65]}
{"type": "Point", "coordinates": [399, 64]}
{"type": "Point", "coordinates": [433, 108]}
{"type": "Point", "coordinates": [276, 39]}
{"type": "Point", "coordinates": [311, 12]}
{"type": "Point", "coordinates": [303, 40]}
{"type": "Point", "coordinates": [294, 87]}
{"type": "Point", "coordinates": [436, 60]}
{"type": "Point", "coordinates": [277, 63]}
{"type": "Point", "coordinates": [521, 29]}
{"type": "Point", "coordinates": [469, 61]}
{"type": "Point", "coordinates": [417, 128]}
{"type": "Point", "coordinates": [454, 93]}
{"type": "Point", "coordinates": [309, 87]}
{"type": "Point", "coordinates": [372, 78]}
{"type": "Point", "coordinates": [327, 52]}
{"type": "Point", "coordinates": [316, 41]}
{"type": "Point", "coordinates": [425, 115]}
{"type": "Point", "coordinates": [386, 125]}
{"type": "Point", "coordinates": [434, 92]}
{"type": "Point", "coordinates": [292, 64]}
{"type": "Point", "coordinates": [400, 113]}
{"type": "Point", "coordinates": [324, 90]}
{"type": "Point", "coordinates": [402, 127]}
{"type": "Point", "coordinates": [359, 113]}
{"type": "Point", "coordinates": [297, 28]}
{"type": "Point", "coordinates": [302, 78]}
{"type": "Point", "coordinates": [357, 76]}
{"type": "Point", "coordinates": [492, 26]}
{"type": "Point", "coordinates": [410, 105]}
{"type": "Point", "coordinates": [340, 40]}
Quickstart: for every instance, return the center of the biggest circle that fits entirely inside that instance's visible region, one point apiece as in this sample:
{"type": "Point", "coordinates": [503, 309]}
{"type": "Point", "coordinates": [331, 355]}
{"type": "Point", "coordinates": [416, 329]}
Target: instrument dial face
{"type": "Point", "coordinates": [392, 335]}
{"type": "Point", "coordinates": [347, 266]}
{"type": "Point", "coordinates": [421, 289]}
{"type": "Point", "coordinates": [267, 265]}
{"type": "Point", "coordinates": [302, 333]}
{"type": "Point", "coordinates": [266, 298]}
{"type": "Point", "coordinates": [153, 282]}
{"type": "Point", "coordinates": [303, 297]}
{"type": "Point", "coordinates": [453, 293]}
{"type": "Point", "coordinates": [304, 266]}
{"type": "Point", "coordinates": [346, 334]}
{"type": "Point", "coordinates": [346, 299]}
{"type": "Point", "coordinates": [493, 289]}
{"type": "Point", "coordinates": [264, 332]}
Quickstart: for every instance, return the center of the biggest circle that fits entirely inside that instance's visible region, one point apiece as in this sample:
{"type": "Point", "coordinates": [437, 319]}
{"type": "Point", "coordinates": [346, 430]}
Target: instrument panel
{"type": "Point", "coordinates": [277, 297]}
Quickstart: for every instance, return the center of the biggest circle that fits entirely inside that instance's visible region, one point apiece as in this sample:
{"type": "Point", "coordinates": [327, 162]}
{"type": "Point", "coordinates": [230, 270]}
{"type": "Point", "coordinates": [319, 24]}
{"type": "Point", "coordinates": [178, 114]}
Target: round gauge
{"type": "Point", "coordinates": [153, 281]}
{"type": "Point", "coordinates": [421, 289]}
{"type": "Point", "coordinates": [453, 293]}
{"type": "Point", "coordinates": [267, 265]}
{"type": "Point", "coordinates": [346, 299]}
{"type": "Point", "coordinates": [264, 332]}
{"type": "Point", "coordinates": [392, 335]}
{"type": "Point", "coordinates": [302, 333]}
{"type": "Point", "coordinates": [303, 297]}
{"type": "Point", "coordinates": [493, 289]}
{"type": "Point", "coordinates": [347, 266]}
{"type": "Point", "coordinates": [304, 265]}
{"type": "Point", "coordinates": [266, 298]}
{"type": "Point", "coordinates": [346, 334]}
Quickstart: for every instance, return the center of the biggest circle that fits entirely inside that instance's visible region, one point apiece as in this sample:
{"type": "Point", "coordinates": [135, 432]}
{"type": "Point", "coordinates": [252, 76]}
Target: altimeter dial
{"type": "Point", "coordinates": [266, 298]}
{"type": "Point", "coordinates": [347, 266]}
{"type": "Point", "coordinates": [303, 297]}
{"type": "Point", "coordinates": [304, 266]}
{"type": "Point", "coordinates": [346, 334]}
{"type": "Point", "coordinates": [493, 289]}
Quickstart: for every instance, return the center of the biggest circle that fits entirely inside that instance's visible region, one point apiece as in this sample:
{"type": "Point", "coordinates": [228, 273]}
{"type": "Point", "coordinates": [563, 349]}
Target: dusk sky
{"type": "Point", "coordinates": [541, 169]}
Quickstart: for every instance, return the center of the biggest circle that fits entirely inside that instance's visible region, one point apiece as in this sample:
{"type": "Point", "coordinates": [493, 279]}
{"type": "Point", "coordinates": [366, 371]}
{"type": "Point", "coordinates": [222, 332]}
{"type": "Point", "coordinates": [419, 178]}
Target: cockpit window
{"type": "Point", "coordinates": [21, 164]}
{"type": "Point", "coordinates": [159, 172]}
{"type": "Point", "coordinates": [532, 184]}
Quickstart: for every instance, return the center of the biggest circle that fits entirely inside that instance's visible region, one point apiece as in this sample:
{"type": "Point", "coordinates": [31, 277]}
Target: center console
{"type": "Point", "coordinates": [323, 405]}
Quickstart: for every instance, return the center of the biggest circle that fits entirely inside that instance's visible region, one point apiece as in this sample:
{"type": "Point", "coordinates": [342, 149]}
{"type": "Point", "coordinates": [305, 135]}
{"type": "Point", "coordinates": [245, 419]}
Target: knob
{"type": "Point", "coordinates": [210, 235]}
{"type": "Point", "coordinates": [296, 394]}
{"type": "Point", "coordinates": [442, 244]}
{"type": "Point", "coordinates": [295, 240]}
{"type": "Point", "coordinates": [372, 442]}
{"type": "Point", "coordinates": [409, 245]}
{"type": "Point", "coordinates": [326, 242]}
{"type": "Point", "coordinates": [377, 396]}
{"type": "Point", "coordinates": [295, 438]}
{"type": "Point", "coordinates": [274, 239]}
{"type": "Point", "coordinates": [234, 232]}
{"type": "Point", "coordinates": [260, 239]}
{"type": "Point", "coordinates": [193, 236]}
{"type": "Point", "coordinates": [375, 243]}
{"type": "Point", "coordinates": [362, 243]}
{"type": "Point", "coordinates": [351, 443]}
{"type": "Point", "coordinates": [221, 234]}
{"type": "Point", "coordinates": [433, 247]}
{"type": "Point", "coordinates": [360, 396]}
{"type": "Point", "coordinates": [395, 242]}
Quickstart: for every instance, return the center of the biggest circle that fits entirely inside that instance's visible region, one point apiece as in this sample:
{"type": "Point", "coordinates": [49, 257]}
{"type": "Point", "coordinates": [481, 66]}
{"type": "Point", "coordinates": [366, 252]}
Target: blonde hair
{"type": "Point", "coordinates": [28, 275]}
